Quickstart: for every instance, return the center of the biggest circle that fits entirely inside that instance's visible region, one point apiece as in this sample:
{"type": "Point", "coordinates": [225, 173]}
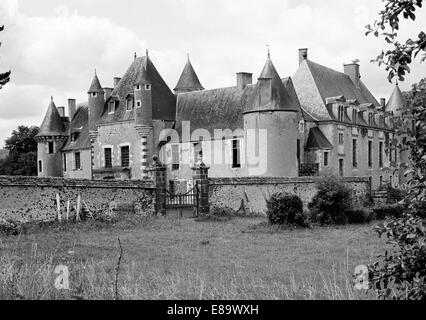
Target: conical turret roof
{"type": "Point", "coordinates": [188, 80]}
{"type": "Point", "coordinates": [52, 124]}
{"type": "Point", "coordinates": [95, 87]}
{"type": "Point", "coordinates": [396, 101]}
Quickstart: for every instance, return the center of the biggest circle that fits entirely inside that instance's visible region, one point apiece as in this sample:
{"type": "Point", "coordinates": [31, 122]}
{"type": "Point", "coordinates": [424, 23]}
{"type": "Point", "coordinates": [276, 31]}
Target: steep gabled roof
{"type": "Point", "coordinates": [95, 87]}
{"type": "Point", "coordinates": [317, 140]}
{"type": "Point", "coordinates": [188, 80]}
{"type": "Point", "coordinates": [79, 124]}
{"type": "Point", "coordinates": [142, 71]}
{"type": "Point", "coordinates": [52, 124]}
{"type": "Point", "coordinates": [315, 83]}
{"type": "Point", "coordinates": [396, 101]}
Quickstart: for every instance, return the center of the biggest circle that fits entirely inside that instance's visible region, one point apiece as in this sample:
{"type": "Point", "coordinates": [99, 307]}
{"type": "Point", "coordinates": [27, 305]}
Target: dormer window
{"type": "Point", "coordinates": [138, 104]}
{"type": "Point", "coordinates": [138, 87]}
{"type": "Point", "coordinates": [129, 104]}
{"type": "Point", "coordinates": [111, 107]}
{"type": "Point", "coordinates": [74, 136]}
{"type": "Point", "coordinates": [147, 87]}
{"type": "Point", "coordinates": [370, 119]}
{"type": "Point", "coordinates": [340, 114]}
{"type": "Point", "coordinates": [354, 116]}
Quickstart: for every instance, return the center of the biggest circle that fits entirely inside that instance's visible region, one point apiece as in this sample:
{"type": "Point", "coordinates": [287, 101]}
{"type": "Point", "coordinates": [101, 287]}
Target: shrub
{"type": "Point", "coordinates": [395, 195]}
{"type": "Point", "coordinates": [389, 210]}
{"type": "Point", "coordinates": [360, 215]}
{"type": "Point", "coordinates": [331, 201]}
{"type": "Point", "coordinates": [285, 208]}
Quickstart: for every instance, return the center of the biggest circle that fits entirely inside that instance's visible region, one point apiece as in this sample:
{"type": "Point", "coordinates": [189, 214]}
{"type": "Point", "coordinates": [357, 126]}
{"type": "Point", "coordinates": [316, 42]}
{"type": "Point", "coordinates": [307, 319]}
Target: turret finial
{"type": "Point", "coordinates": [147, 52]}
{"type": "Point", "coordinates": [269, 52]}
{"type": "Point", "coordinates": [136, 55]}
{"type": "Point", "coordinates": [96, 72]}
{"type": "Point", "coordinates": [187, 56]}
{"type": "Point", "coordinates": [51, 98]}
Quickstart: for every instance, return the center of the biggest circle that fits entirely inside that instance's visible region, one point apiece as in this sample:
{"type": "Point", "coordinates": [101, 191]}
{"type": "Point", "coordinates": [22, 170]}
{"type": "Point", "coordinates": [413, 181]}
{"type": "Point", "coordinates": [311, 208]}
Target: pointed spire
{"type": "Point", "coordinates": [396, 101]}
{"type": "Point", "coordinates": [188, 80]}
{"type": "Point", "coordinates": [135, 55]}
{"type": "Point", "coordinates": [52, 124]}
{"type": "Point", "coordinates": [269, 52]}
{"type": "Point", "coordinates": [95, 87]}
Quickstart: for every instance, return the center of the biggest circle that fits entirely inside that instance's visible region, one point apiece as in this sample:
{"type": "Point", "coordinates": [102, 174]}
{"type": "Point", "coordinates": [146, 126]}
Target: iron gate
{"type": "Point", "coordinates": [188, 200]}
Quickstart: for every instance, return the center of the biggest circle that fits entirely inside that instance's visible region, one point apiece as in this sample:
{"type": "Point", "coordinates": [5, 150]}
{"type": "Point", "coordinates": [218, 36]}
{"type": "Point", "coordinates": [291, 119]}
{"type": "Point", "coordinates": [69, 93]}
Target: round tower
{"type": "Point", "coordinates": [271, 125]}
{"type": "Point", "coordinates": [50, 140]}
{"type": "Point", "coordinates": [96, 103]}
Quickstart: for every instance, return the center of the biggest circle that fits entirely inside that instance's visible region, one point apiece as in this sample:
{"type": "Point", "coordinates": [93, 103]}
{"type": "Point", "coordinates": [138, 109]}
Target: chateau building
{"type": "Point", "coordinates": [319, 120]}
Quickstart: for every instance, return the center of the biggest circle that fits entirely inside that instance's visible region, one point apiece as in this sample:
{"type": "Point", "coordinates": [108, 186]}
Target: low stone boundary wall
{"type": "Point", "coordinates": [31, 199]}
{"type": "Point", "coordinates": [253, 192]}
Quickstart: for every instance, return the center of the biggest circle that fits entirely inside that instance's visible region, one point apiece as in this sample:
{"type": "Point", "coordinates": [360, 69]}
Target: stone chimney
{"type": "Point", "coordinates": [61, 111]}
{"type": "Point", "coordinates": [108, 92]}
{"type": "Point", "coordinates": [72, 108]}
{"type": "Point", "coordinates": [116, 81]}
{"type": "Point", "coordinates": [303, 55]}
{"type": "Point", "coordinates": [352, 70]}
{"type": "Point", "coordinates": [244, 79]}
{"type": "Point", "coordinates": [383, 103]}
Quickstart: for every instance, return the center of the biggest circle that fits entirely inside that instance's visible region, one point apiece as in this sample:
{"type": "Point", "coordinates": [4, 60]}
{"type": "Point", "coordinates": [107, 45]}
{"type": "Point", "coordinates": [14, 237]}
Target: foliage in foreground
{"type": "Point", "coordinates": [284, 208]}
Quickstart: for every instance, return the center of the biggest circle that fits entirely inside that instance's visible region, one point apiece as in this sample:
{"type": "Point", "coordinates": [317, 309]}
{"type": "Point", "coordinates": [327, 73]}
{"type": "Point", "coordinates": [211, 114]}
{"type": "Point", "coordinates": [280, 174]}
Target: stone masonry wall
{"type": "Point", "coordinates": [31, 199]}
{"type": "Point", "coordinates": [230, 192]}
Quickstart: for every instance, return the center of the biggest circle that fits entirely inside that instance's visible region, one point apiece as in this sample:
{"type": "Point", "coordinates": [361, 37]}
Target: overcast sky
{"type": "Point", "coordinates": [53, 47]}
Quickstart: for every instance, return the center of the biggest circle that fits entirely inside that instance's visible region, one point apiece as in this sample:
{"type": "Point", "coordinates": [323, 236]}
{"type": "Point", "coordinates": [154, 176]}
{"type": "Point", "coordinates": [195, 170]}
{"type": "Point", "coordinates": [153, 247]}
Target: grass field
{"type": "Point", "coordinates": [166, 258]}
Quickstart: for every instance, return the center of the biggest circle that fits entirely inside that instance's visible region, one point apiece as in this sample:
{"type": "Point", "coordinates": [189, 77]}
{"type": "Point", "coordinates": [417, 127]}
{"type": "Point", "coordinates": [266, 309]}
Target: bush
{"type": "Point", "coordinates": [395, 195]}
{"type": "Point", "coordinates": [390, 210]}
{"type": "Point", "coordinates": [285, 208]}
{"type": "Point", "coordinates": [331, 201]}
{"type": "Point", "coordinates": [359, 216]}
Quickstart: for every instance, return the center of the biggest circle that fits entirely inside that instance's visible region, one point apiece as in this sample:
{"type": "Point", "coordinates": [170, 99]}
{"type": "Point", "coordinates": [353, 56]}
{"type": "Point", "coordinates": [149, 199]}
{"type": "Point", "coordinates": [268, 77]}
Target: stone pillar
{"type": "Point", "coordinates": [159, 175]}
{"type": "Point", "coordinates": [147, 148]}
{"type": "Point", "coordinates": [201, 178]}
{"type": "Point", "coordinates": [92, 135]}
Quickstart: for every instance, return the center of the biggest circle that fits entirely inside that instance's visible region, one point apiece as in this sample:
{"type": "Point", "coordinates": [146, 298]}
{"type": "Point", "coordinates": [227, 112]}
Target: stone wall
{"type": "Point", "coordinates": [230, 192]}
{"type": "Point", "coordinates": [29, 198]}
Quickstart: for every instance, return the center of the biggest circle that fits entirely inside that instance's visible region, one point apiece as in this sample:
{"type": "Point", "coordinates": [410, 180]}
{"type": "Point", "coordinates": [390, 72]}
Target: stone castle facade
{"type": "Point", "coordinates": [319, 120]}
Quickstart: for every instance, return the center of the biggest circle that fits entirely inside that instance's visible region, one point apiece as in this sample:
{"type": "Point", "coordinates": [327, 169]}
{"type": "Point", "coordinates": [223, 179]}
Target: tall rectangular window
{"type": "Point", "coordinates": [108, 157]}
{"type": "Point", "coordinates": [51, 147]}
{"type": "Point", "coordinates": [298, 152]}
{"type": "Point", "coordinates": [341, 139]}
{"type": "Point", "coordinates": [40, 166]}
{"type": "Point", "coordinates": [125, 156]}
{"type": "Point", "coordinates": [354, 153]}
{"type": "Point", "coordinates": [341, 114]}
{"type": "Point", "coordinates": [77, 161]}
{"type": "Point", "coordinates": [341, 167]}
{"type": "Point", "coordinates": [381, 154]}
{"type": "Point", "coordinates": [370, 153]}
{"type": "Point", "coordinates": [236, 156]}
{"type": "Point", "coordinates": [175, 157]}
{"type": "Point", "coordinates": [65, 162]}
{"type": "Point", "coordinates": [390, 154]}
{"type": "Point", "coordinates": [198, 149]}
{"type": "Point", "coordinates": [325, 159]}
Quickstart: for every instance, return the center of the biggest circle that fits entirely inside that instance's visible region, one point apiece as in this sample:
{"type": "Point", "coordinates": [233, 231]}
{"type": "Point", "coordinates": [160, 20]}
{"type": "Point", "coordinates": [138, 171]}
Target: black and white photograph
{"type": "Point", "coordinates": [212, 155]}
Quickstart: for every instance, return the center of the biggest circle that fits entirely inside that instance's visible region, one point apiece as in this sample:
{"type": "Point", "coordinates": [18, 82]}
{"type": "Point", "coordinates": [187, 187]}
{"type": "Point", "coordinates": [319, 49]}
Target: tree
{"type": "Point", "coordinates": [22, 159]}
{"type": "Point", "coordinates": [4, 77]}
{"type": "Point", "coordinates": [398, 59]}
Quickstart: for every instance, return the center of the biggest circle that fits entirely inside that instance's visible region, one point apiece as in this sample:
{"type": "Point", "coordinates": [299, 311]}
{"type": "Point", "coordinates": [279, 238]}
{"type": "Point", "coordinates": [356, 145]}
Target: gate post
{"type": "Point", "coordinates": [201, 180]}
{"type": "Point", "coordinates": [159, 170]}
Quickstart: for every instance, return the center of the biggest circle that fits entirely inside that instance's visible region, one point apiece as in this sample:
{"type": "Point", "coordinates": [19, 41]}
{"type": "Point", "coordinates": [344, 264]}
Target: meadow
{"type": "Point", "coordinates": [170, 258]}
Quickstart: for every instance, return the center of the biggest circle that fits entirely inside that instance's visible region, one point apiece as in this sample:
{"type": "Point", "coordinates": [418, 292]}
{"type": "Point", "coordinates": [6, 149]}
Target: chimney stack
{"type": "Point", "coordinates": [303, 55]}
{"type": "Point", "coordinates": [352, 70]}
{"type": "Point", "coordinates": [244, 79]}
{"type": "Point", "coordinates": [61, 111]}
{"type": "Point", "coordinates": [72, 108]}
{"type": "Point", "coordinates": [108, 92]}
{"type": "Point", "coordinates": [383, 103]}
{"type": "Point", "coordinates": [116, 81]}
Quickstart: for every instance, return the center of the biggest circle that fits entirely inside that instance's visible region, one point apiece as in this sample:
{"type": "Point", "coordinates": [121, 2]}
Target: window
{"type": "Point", "coordinates": [354, 116]}
{"type": "Point", "coordinates": [381, 154]}
{"type": "Point", "coordinates": [147, 87]}
{"type": "Point", "coordinates": [172, 187]}
{"type": "Point", "coordinates": [341, 138]}
{"type": "Point", "coordinates": [381, 182]}
{"type": "Point", "coordinates": [390, 154]}
{"type": "Point", "coordinates": [129, 104]}
{"type": "Point", "coordinates": [74, 136]}
{"type": "Point", "coordinates": [94, 94]}
{"type": "Point", "coordinates": [396, 154]}
{"type": "Point", "coordinates": [298, 152]}
{"type": "Point", "coordinates": [138, 87]}
{"type": "Point", "coordinates": [381, 121]}
{"type": "Point", "coordinates": [65, 162]}
{"type": "Point", "coordinates": [138, 104]}
{"type": "Point", "coordinates": [340, 114]}
{"type": "Point", "coordinates": [40, 166]}
{"type": "Point", "coordinates": [51, 147]}
{"type": "Point", "coordinates": [111, 107]}
{"type": "Point", "coordinates": [370, 119]}
{"type": "Point", "coordinates": [341, 167]}
{"type": "Point", "coordinates": [236, 156]}
{"type": "Point", "coordinates": [370, 151]}
{"type": "Point", "coordinates": [108, 157]}
{"type": "Point", "coordinates": [125, 156]}
{"type": "Point", "coordinates": [325, 159]}
{"type": "Point", "coordinates": [391, 181]}
{"type": "Point", "coordinates": [175, 157]}
{"type": "Point", "coordinates": [77, 161]}
{"type": "Point", "coordinates": [354, 153]}
{"type": "Point", "coordinates": [198, 149]}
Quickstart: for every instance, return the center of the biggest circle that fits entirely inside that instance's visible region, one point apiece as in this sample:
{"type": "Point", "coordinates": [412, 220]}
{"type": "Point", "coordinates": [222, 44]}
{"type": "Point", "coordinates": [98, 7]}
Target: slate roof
{"type": "Point", "coordinates": [188, 80]}
{"type": "Point", "coordinates": [52, 124]}
{"type": "Point", "coordinates": [284, 96]}
{"type": "Point", "coordinates": [142, 71]}
{"type": "Point", "coordinates": [79, 124]}
{"type": "Point", "coordinates": [317, 140]}
{"type": "Point", "coordinates": [396, 101]}
{"type": "Point", "coordinates": [95, 87]}
{"type": "Point", "coordinates": [315, 83]}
